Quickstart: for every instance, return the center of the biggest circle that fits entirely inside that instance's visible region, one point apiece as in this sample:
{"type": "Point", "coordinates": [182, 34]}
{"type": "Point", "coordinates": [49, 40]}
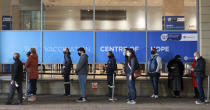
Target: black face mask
{"type": "Point", "coordinates": [109, 56]}
{"type": "Point", "coordinates": [152, 52]}
{"type": "Point", "coordinates": [14, 58]}
{"type": "Point", "coordinates": [64, 52]}
{"type": "Point", "coordinates": [79, 54]}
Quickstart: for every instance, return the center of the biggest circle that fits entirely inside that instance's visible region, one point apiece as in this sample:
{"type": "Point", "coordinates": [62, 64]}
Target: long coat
{"type": "Point", "coordinates": [175, 80]}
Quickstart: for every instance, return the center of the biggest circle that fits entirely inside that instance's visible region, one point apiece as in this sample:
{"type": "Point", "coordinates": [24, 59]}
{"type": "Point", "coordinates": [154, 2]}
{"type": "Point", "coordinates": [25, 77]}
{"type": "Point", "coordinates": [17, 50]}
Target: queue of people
{"type": "Point", "coordinates": [175, 74]}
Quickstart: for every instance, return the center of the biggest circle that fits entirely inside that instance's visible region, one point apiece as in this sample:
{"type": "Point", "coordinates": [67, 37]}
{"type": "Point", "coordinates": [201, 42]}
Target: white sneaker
{"type": "Point", "coordinates": [156, 96]}
{"type": "Point", "coordinates": [206, 101]}
{"type": "Point", "coordinates": [152, 96]}
{"type": "Point", "coordinates": [111, 99]}
{"type": "Point", "coordinates": [198, 102]}
{"type": "Point", "coordinates": [131, 102]}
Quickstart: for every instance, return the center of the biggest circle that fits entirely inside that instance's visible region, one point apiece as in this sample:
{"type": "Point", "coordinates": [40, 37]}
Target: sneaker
{"type": "Point", "coordinates": [198, 102]}
{"type": "Point", "coordinates": [131, 102]}
{"type": "Point", "coordinates": [67, 95]}
{"type": "Point", "coordinates": [81, 99]}
{"type": "Point", "coordinates": [32, 98]}
{"type": "Point", "coordinates": [156, 96]}
{"type": "Point", "coordinates": [111, 99]}
{"type": "Point", "coordinates": [206, 101]}
{"type": "Point", "coordinates": [152, 96]}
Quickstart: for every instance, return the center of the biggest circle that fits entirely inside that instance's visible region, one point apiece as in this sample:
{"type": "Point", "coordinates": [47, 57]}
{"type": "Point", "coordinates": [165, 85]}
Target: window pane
{"type": "Point", "coordinates": [67, 14]}
{"type": "Point", "coordinates": [172, 14]}
{"type": "Point", "coordinates": [20, 14]}
{"type": "Point", "coordinates": [120, 14]}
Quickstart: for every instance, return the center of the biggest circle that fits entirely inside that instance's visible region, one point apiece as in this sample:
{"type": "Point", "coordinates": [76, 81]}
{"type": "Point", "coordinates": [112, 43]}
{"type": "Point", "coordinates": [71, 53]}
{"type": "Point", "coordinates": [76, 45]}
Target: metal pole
{"type": "Point", "coordinates": [146, 18]}
{"type": "Point", "coordinates": [94, 40]}
{"type": "Point", "coordinates": [41, 28]}
{"type": "Point", "coordinates": [198, 24]}
{"type": "Point", "coordinates": [208, 94]}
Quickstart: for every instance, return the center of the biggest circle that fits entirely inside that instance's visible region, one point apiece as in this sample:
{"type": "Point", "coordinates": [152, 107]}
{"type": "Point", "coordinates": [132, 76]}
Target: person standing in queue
{"type": "Point", "coordinates": [111, 67]}
{"type": "Point", "coordinates": [196, 96]}
{"type": "Point", "coordinates": [32, 69]}
{"type": "Point", "coordinates": [16, 80]}
{"type": "Point", "coordinates": [199, 73]}
{"type": "Point", "coordinates": [130, 67]}
{"type": "Point", "coordinates": [82, 71]}
{"type": "Point", "coordinates": [67, 66]}
{"type": "Point", "coordinates": [176, 71]}
{"type": "Point", "coordinates": [154, 65]}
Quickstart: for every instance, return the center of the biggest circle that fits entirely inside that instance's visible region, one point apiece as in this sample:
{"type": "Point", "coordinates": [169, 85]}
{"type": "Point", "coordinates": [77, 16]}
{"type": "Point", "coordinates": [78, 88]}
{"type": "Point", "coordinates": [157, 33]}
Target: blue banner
{"type": "Point", "coordinates": [170, 44]}
{"type": "Point", "coordinates": [21, 42]}
{"type": "Point", "coordinates": [116, 42]}
{"type": "Point", "coordinates": [55, 42]}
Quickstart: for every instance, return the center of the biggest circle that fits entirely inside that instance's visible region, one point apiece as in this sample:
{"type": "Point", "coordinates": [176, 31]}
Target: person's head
{"type": "Point", "coordinates": [66, 51]}
{"type": "Point", "coordinates": [153, 51]}
{"type": "Point", "coordinates": [28, 54]}
{"type": "Point", "coordinates": [197, 55]}
{"type": "Point", "coordinates": [125, 51]}
{"type": "Point", "coordinates": [33, 51]}
{"type": "Point", "coordinates": [16, 56]}
{"type": "Point", "coordinates": [110, 54]}
{"type": "Point", "coordinates": [130, 53]}
{"type": "Point", "coordinates": [177, 57]}
{"type": "Point", "coordinates": [80, 50]}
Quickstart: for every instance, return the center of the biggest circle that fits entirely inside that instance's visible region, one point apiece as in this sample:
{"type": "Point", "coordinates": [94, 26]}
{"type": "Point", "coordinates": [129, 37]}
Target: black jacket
{"type": "Point", "coordinates": [200, 67]}
{"type": "Point", "coordinates": [111, 65]}
{"type": "Point", "coordinates": [17, 71]}
{"type": "Point", "coordinates": [131, 66]}
{"type": "Point", "coordinates": [67, 61]}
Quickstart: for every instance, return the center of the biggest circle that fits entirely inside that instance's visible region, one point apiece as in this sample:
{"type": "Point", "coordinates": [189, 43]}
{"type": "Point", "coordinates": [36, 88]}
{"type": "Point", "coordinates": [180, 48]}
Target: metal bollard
{"type": "Point", "coordinates": [208, 89]}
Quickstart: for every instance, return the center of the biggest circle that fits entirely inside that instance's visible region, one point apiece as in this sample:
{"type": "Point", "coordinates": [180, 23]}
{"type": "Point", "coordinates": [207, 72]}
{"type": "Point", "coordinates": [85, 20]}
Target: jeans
{"type": "Point", "coordinates": [12, 92]}
{"type": "Point", "coordinates": [154, 80]}
{"type": "Point", "coordinates": [110, 83]}
{"type": "Point", "coordinates": [67, 84]}
{"type": "Point", "coordinates": [199, 81]}
{"type": "Point", "coordinates": [131, 88]}
{"type": "Point", "coordinates": [32, 86]}
{"type": "Point", "coordinates": [82, 82]}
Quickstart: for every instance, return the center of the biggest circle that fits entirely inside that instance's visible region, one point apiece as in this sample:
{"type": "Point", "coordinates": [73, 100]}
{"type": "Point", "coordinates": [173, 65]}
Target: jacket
{"type": "Point", "coordinates": [82, 66]}
{"type": "Point", "coordinates": [17, 73]}
{"type": "Point", "coordinates": [200, 67]}
{"type": "Point", "coordinates": [154, 64]}
{"type": "Point", "coordinates": [131, 66]}
{"type": "Point", "coordinates": [111, 65]}
{"type": "Point", "coordinates": [32, 66]}
{"type": "Point", "coordinates": [67, 63]}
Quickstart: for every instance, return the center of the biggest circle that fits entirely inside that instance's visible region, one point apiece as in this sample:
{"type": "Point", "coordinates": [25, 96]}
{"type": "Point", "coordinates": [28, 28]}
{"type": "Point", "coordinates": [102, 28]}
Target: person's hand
{"type": "Point", "coordinates": [130, 77]}
{"type": "Point", "coordinates": [192, 69]}
{"type": "Point", "coordinates": [63, 67]}
{"type": "Point", "coordinates": [172, 67]}
{"type": "Point", "coordinates": [12, 82]}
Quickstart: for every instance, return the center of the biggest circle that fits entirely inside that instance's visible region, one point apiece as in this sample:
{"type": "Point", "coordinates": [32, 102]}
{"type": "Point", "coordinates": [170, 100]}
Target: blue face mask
{"type": "Point", "coordinates": [196, 58]}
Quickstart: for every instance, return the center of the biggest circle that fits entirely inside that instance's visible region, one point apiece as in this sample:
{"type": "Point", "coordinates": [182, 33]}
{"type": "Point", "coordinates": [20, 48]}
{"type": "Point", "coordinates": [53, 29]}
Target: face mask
{"type": "Point", "coordinates": [123, 53]}
{"type": "Point", "coordinates": [196, 58]}
{"type": "Point", "coordinates": [129, 54]}
{"type": "Point", "coordinates": [64, 52]}
{"type": "Point", "coordinates": [14, 58]}
{"type": "Point", "coordinates": [109, 57]}
{"type": "Point", "coordinates": [79, 54]}
{"type": "Point", "coordinates": [152, 52]}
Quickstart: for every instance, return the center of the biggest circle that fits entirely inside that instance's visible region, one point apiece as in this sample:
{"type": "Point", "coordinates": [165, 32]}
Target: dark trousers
{"type": "Point", "coordinates": [32, 87]}
{"type": "Point", "coordinates": [154, 79]}
{"type": "Point", "coordinates": [12, 92]}
{"type": "Point", "coordinates": [196, 93]}
{"type": "Point", "coordinates": [131, 88]}
{"type": "Point", "coordinates": [67, 84]}
{"type": "Point", "coordinates": [177, 93]}
{"type": "Point", "coordinates": [110, 83]}
{"type": "Point", "coordinates": [199, 81]}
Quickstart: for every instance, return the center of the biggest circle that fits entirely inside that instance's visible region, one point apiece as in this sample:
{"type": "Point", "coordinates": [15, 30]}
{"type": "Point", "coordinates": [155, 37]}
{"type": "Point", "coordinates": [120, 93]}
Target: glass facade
{"type": "Point", "coordinates": [113, 17]}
